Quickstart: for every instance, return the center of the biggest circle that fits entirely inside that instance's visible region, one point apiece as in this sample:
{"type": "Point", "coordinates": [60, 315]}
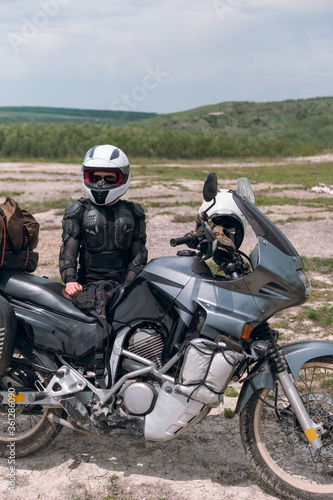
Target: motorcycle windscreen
{"type": "Point", "coordinates": [263, 227]}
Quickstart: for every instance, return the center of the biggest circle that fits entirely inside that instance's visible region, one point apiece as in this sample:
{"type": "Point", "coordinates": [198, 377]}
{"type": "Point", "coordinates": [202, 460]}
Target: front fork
{"type": "Point", "coordinates": [279, 369]}
{"type": "Point", "coordinates": [310, 429]}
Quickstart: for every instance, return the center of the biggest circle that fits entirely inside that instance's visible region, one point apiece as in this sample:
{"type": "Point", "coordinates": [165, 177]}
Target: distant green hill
{"type": "Point", "coordinates": [303, 119]}
{"type": "Point", "coordinates": [226, 130]}
{"type": "Point", "coordinates": [28, 114]}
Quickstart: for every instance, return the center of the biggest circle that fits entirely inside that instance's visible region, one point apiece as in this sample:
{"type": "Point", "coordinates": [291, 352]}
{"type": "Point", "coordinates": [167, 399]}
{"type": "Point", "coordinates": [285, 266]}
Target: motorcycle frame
{"type": "Point", "coordinates": [260, 377]}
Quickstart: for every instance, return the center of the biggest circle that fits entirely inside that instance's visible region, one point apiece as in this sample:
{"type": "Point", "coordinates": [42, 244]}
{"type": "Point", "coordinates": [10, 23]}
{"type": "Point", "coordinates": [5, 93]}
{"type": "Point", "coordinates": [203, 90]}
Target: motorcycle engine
{"type": "Point", "coordinates": [147, 343]}
{"type": "Point", "coordinates": [138, 397]}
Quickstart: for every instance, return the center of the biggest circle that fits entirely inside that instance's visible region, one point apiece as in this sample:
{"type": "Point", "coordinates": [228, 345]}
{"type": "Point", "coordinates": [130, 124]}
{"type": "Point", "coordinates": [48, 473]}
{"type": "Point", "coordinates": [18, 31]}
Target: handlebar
{"type": "Point", "coordinates": [188, 239]}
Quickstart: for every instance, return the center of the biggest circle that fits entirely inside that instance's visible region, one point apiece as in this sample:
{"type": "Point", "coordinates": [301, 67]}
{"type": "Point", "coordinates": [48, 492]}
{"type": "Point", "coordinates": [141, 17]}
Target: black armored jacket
{"type": "Point", "coordinates": [109, 242]}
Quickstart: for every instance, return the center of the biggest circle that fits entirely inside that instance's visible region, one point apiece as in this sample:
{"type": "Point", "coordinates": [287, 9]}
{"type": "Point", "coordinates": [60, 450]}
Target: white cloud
{"type": "Point", "coordinates": [84, 54]}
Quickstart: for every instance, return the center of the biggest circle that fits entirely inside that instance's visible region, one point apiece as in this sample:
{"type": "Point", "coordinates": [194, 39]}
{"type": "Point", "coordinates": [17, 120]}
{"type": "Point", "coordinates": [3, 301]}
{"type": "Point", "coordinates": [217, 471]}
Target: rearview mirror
{"type": "Point", "coordinates": [210, 187]}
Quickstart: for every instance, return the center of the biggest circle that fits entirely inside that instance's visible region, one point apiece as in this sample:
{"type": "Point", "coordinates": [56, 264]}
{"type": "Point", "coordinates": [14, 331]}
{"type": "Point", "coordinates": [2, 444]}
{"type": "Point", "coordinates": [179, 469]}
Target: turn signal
{"type": "Point", "coordinates": [246, 331]}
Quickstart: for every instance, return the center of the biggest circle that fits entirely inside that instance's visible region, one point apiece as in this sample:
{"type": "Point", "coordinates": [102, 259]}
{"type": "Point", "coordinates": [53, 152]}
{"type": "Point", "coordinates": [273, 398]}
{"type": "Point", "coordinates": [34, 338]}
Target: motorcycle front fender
{"type": "Point", "coordinates": [296, 354]}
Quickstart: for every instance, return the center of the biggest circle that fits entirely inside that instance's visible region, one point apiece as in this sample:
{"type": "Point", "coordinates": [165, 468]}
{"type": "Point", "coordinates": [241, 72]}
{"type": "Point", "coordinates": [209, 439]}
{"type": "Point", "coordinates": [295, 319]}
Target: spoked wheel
{"type": "Point", "coordinates": [276, 445]}
{"type": "Point", "coordinates": [29, 428]}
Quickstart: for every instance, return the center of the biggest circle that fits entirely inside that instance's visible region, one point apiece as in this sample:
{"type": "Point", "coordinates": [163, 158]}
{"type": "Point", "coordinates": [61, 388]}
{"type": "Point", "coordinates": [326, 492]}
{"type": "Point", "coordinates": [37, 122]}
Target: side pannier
{"type": "Point", "coordinates": [19, 232]}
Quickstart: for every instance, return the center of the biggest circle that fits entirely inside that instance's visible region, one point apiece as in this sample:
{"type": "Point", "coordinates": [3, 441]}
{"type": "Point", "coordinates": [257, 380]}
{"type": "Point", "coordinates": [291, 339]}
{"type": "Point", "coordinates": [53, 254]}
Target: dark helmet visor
{"type": "Point", "coordinates": [110, 178]}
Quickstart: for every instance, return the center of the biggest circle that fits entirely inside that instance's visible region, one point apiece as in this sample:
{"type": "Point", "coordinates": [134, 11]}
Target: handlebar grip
{"type": "Point", "coordinates": [183, 240]}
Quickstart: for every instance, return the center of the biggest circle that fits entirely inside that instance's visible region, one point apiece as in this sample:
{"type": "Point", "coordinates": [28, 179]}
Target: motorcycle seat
{"type": "Point", "coordinates": [40, 291]}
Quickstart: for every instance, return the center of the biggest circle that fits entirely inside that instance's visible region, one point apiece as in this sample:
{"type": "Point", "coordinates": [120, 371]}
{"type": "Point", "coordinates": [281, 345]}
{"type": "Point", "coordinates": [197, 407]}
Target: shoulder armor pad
{"type": "Point", "coordinates": [137, 210]}
{"type": "Point", "coordinates": [74, 208]}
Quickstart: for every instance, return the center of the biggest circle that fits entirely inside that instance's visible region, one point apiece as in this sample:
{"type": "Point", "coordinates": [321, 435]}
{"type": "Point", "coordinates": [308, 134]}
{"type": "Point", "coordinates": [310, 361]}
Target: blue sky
{"type": "Point", "coordinates": [163, 55]}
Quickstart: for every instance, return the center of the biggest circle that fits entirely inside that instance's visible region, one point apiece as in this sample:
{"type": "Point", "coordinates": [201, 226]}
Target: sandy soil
{"type": "Point", "coordinates": [206, 463]}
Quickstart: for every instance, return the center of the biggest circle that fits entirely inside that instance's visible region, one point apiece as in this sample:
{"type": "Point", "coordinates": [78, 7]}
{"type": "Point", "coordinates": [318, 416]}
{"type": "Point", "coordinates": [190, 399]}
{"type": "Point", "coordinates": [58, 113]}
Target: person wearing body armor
{"type": "Point", "coordinates": [107, 237]}
{"type": "Point", "coordinates": [105, 234]}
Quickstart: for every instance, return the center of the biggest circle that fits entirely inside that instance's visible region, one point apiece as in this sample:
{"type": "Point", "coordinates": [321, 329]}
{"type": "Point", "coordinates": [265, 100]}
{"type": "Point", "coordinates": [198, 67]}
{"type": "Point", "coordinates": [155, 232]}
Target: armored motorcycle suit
{"type": "Point", "coordinates": [109, 242]}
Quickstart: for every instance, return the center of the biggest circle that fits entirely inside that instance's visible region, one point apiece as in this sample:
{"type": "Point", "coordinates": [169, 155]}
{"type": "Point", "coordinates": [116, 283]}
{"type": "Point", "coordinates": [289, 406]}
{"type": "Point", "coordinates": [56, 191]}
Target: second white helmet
{"type": "Point", "coordinates": [226, 213]}
{"type": "Point", "coordinates": [106, 174]}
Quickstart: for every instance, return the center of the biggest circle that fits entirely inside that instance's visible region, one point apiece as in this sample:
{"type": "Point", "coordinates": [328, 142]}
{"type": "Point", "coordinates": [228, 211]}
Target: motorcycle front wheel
{"type": "Point", "coordinates": [28, 428]}
{"type": "Point", "coordinates": [277, 447]}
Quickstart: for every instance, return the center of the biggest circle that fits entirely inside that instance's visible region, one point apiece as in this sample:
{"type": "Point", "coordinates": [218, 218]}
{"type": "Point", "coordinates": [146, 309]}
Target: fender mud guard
{"type": "Point", "coordinates": [296, 355]}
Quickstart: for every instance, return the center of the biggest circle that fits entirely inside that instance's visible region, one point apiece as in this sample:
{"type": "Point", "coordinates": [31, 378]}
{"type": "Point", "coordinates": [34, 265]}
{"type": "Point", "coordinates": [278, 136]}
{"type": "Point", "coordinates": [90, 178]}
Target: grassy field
{"type": "Point", "coordinates": [301, 176]}
{"type": "Point", "coordinates": [305, 175]}
{"type": "Point", "coordinates": [220, 131]}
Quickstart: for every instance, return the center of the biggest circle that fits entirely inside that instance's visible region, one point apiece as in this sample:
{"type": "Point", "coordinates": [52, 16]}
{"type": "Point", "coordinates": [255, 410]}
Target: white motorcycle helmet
{"type": "Point", "coordinates": [106, 174]}
{"type": "Point", "coordinates": [226, 213]}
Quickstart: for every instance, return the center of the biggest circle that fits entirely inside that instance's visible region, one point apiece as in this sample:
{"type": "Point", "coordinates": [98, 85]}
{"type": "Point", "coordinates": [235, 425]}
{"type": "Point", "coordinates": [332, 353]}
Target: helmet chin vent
{"type": "Point", "coordinates": [99, 196]}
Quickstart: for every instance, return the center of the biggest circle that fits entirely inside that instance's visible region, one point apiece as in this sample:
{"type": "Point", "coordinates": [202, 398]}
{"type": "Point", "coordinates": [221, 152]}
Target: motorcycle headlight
{"type": "Point", "coordinates": [306, 283]}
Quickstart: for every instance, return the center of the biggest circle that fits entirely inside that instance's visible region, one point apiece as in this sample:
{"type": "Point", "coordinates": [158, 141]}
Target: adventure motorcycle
{"type": "Point", "coordinates": [176, 336]}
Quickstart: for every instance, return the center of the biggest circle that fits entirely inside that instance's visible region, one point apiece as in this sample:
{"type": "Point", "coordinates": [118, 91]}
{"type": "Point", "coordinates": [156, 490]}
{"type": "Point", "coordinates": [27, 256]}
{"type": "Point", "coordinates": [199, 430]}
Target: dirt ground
{"type": "Point", "coordinates": [206, 463]}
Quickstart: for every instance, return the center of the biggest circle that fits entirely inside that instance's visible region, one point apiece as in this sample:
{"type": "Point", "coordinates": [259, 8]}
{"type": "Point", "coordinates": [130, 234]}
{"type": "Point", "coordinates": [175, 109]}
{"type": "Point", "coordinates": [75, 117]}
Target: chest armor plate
{"type": "Point", "coordinates": [94, 230]}
{"type": "Point", "coordinates": [107, 229]}
{"type": "Point", "coordinates": [123, 227]}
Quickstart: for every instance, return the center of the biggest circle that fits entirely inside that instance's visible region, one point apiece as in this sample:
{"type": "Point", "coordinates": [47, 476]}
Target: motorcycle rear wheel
{"type": "Point", "coordinates": [29, 429]}
{"type": "Point", "coordinates": [278, 449]}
